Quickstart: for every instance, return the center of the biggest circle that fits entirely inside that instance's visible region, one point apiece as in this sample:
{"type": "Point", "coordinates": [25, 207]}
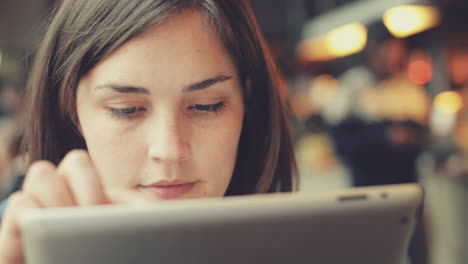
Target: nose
{"type": "Point", "coordinates": [168, 140]}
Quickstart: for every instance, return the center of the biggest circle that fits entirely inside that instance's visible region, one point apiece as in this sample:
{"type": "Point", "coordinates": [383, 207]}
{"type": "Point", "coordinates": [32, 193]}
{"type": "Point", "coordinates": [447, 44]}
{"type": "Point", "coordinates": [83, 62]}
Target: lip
{"type": "Point", "coordinates": [168, 189]}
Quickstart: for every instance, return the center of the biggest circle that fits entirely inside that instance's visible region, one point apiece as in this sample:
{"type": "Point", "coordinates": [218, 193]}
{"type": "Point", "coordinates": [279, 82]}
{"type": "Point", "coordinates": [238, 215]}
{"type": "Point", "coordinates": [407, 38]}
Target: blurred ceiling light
{"type": "Point", "coordinates": [448, 102]}
{"type": "Point", "coordinates": [342, 41]}
{"type": "Point", "coordinates": [407, 20]}
{"type": "Point", "coordinates": [346, 40]}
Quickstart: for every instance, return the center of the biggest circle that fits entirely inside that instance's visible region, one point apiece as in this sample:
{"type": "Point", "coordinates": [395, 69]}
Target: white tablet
{"type": "Point", "coordinates": [360, 225]}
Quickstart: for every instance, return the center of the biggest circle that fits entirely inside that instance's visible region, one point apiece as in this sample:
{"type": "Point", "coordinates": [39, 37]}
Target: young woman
{"type": "Point", "coordinates": [164, 99]}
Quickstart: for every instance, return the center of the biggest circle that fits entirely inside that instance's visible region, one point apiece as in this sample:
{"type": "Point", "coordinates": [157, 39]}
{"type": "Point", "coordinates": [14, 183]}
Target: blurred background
{"type": "Point", "coordinates": [379, 90]}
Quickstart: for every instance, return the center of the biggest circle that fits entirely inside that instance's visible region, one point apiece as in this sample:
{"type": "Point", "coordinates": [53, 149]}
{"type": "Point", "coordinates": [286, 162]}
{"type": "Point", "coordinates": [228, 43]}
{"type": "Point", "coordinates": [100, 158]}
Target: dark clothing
{"type": "Point", "coordinates": [370, 154]}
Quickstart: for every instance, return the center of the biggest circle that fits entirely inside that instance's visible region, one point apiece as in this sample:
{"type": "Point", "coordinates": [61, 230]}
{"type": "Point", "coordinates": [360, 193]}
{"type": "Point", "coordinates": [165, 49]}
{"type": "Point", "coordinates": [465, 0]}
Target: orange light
{"type": "Point", "coordinates": [420, 72]}
{"type": "Point", "coordinates": [458, 68]}
{"type": "Point", "coordinates": [420, 68]}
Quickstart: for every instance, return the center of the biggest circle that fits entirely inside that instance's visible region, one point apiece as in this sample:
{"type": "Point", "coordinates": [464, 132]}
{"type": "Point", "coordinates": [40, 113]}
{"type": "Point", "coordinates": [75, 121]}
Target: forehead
{"type": "Point", "coordinates": [183, 46]}
{"type": "Point", "coordinates": [187, 26]}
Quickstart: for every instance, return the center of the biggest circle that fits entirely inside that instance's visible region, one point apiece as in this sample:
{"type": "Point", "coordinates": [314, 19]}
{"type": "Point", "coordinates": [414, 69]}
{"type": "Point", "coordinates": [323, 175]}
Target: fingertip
{"type": "Point", "coordinates": [41, 167]}
{"type": "Point", "coordinates": [17, 204]}
{"type": "Point", "coordinates": [19, 200]}
{"type": "Point", "coordinates": [76, 156]}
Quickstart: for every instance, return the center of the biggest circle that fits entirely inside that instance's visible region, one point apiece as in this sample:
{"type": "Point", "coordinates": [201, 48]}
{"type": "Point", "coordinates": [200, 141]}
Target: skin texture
{"type": "Point", "coordinates": [166, 108]}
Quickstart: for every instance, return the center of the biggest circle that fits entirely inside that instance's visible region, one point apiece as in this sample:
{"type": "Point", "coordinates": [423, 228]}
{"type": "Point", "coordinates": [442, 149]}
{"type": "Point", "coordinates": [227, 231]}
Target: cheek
{"type": "Point", "coordinates": [110, 149]}
{"type": "Point", "coordinates": [217, 153]}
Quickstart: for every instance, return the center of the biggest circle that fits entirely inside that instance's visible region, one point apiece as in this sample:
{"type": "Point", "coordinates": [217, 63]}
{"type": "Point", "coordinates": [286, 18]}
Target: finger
{"type": "Point", "coordinates": [43, 182]}
{"type": "Point", "coordinates": [11, 249]}
{"type": "Point", "coordinates": [83, 179]}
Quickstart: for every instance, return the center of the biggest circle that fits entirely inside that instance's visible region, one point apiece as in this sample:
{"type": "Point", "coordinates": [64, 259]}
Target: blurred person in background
{"type": "Point", "coordinates": [11, 160]}
{"type": "Point", "coordinates": [6, 158]}
{"type": "Point", "coordinates": [12, 163]}
{"type": "Point", "coordinates": [12, 104]}
{"type": "Point", "coordinates": [379, 124]}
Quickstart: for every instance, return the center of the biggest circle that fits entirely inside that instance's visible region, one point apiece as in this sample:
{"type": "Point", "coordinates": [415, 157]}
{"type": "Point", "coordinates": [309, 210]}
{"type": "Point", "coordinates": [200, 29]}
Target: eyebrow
{"type": "Point", "coordinates": [207, 83]}
{"type": "Point", "coordinates": [140, 90]}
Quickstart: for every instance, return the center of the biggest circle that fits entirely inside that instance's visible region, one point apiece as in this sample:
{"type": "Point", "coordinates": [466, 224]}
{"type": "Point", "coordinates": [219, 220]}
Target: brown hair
{"type": "Point", "coordinates": [82, 33]}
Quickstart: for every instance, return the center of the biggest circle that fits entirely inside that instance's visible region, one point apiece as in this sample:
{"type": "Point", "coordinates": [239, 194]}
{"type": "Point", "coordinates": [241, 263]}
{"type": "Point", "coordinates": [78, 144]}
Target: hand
{"type": "Point", "coordinates": [74, 182]}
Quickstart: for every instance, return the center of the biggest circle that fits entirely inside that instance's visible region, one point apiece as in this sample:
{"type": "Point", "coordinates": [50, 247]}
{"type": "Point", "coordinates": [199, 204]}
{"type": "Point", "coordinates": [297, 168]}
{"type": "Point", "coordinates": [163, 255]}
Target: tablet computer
{"type": "Point", "coordinates": [357, 225]}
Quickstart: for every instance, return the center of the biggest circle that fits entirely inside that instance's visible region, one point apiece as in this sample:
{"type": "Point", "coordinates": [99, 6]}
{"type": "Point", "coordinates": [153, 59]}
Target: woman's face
{"type": "Point", "coordinates": [163, 114]}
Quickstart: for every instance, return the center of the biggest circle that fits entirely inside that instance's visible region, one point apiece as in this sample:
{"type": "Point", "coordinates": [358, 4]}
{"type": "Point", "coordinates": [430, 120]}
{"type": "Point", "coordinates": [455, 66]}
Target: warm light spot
{"type": "Point", "coordinates": [314, 50]}
{"type": "Point", "coordinates": [404, 21]}
{"type": "Point", "coordinates": [458, 68]}
{"type": "Point", "coordinates": [346, 40]}
{"type": "Point", "coordinates": [420, 68]}
{"type": "Point", "coordinates": [448, 102]}
{"type": "Point", "coordinates": [343, 41]}
{"type": "Point", "coordinates": [420, 72]}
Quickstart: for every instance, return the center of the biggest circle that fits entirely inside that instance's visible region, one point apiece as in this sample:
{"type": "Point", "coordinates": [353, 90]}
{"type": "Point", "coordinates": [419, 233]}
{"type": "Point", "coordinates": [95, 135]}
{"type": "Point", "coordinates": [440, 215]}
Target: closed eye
{"type": "Point", "coordinates": [129, 112]}
{"type": "Point", "coordinates": [208, 107]}
{"type": "Point", "coordinates": [124, 112]}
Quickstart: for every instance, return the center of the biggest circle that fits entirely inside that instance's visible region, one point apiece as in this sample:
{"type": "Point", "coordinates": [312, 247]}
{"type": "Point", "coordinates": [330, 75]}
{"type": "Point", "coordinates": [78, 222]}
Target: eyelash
{"type": "Point", "coordinates": [124, 112]}
{"type": "Point", "coordinates": [213, 108]}
{"type": "Point", "coordinates": [130, 111]}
